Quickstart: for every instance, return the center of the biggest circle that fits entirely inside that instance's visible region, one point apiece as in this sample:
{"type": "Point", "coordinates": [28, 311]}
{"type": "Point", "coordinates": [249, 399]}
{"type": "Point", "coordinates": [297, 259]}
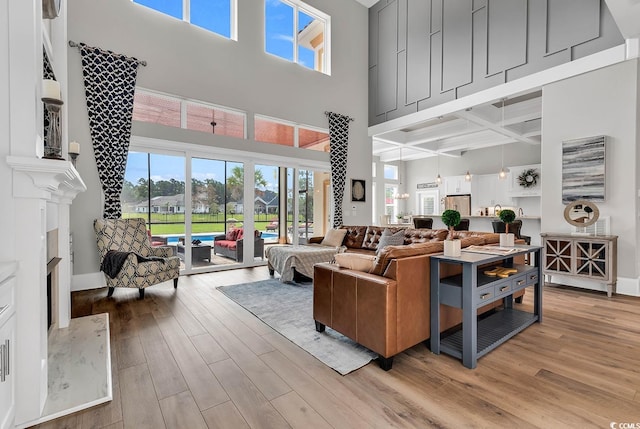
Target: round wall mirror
{"type": "Point", "coordinates": [581, 213]}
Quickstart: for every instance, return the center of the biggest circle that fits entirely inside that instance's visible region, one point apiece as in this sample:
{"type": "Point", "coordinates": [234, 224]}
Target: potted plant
{"type": "Point", "coordinates": [507, 216]}
{"type": "Point", "coordinates": [451, 218]}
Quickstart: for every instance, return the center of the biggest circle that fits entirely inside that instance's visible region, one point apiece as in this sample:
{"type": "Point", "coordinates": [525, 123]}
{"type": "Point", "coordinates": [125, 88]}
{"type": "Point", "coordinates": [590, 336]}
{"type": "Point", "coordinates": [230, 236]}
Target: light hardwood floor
{"type": "Point", "coordinates": [192, 358]}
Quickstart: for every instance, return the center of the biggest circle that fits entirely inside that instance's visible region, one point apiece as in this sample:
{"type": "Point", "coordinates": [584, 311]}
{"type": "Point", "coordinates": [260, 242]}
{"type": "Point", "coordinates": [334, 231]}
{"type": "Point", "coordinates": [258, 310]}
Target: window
{"type": "Point", "coordinates": [313, 139]}
{"type": "Point", "coordinates": [214, 120]}
{"type": "Point", "coordinates": [177, 112]}
{"type": "Point", "coordinates": [276, 131]}
{"type": "Point", "coordinates": [270, 131]}
{"type": "Point", "coordinates": [391, 172]}
{"type": "Point", "coordinates": [217, 16]}
{"type": "Point", "coordinates": [298, 33]}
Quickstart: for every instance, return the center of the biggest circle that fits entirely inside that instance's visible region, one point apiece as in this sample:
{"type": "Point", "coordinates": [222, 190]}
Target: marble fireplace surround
{"type": "Point", "coordinates": [51, 379]}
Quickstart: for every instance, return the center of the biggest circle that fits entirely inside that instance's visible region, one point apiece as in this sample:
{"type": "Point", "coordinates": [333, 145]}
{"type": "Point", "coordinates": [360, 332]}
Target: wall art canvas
{"type": "Point", "coordinates": [358, 190]}
{"type": "Point", "coordinates": [583, 169]}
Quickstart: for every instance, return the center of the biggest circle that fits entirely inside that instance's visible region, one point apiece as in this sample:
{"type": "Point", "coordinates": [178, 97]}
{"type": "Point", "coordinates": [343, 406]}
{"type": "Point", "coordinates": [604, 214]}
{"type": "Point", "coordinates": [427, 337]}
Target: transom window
{"type": "Point", "coordinates": [217, 16]}
{"type": "Point", "coordinates": [277, 131]}
{"type": "Point", "coordinates": [177, 112]}
{"type": "Point", "coordinates": [299, 33]}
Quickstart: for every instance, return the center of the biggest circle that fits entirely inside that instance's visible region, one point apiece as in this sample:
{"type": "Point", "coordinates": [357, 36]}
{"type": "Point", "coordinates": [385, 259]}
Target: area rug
{"type": "Point", "coordinates": [288, 308]}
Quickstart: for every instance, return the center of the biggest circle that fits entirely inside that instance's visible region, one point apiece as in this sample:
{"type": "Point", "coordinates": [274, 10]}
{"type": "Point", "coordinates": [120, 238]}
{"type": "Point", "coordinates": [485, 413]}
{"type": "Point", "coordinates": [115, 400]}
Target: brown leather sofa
{"type": "Point", "coordinates": [387, 310]}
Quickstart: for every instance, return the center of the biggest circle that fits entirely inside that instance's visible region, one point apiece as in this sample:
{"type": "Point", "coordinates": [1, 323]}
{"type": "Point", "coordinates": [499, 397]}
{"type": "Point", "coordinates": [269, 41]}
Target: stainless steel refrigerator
{"type": "Point", "coordinates": [462, 203]}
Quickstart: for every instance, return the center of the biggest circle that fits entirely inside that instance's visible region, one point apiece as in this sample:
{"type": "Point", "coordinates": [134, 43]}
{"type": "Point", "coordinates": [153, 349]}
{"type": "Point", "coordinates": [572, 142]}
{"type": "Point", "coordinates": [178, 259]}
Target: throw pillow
{"type": "Point", "coordinates": [390, 239]}
{"type": "Point", "coordinates": [355, 261]}
{"type": "Point", "coordinates": [334, 237]}
{"type": "Point", "coordinates": [231, 235]}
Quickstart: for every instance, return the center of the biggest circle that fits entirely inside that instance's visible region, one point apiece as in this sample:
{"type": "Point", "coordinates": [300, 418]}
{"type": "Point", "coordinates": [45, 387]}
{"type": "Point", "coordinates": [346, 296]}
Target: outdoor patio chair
{"type": "Point", "coordinates": [142, 265]}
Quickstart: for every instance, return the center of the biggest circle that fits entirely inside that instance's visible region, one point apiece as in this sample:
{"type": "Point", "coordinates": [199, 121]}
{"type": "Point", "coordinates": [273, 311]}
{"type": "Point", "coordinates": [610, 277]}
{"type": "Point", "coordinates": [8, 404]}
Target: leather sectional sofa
{"type": "Point", "coordinates": [387, 309]}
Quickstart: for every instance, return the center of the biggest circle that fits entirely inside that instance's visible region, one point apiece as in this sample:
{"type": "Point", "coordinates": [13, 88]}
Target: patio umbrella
{"type": "Point", "coordinates": [232, 220]}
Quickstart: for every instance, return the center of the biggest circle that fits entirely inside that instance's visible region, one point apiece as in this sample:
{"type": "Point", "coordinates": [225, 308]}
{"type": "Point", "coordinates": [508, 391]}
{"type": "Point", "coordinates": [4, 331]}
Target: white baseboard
{"type": "Point", "coordinates": [624, 286]}
{"type": "Point", "coordinates": [87, 281]}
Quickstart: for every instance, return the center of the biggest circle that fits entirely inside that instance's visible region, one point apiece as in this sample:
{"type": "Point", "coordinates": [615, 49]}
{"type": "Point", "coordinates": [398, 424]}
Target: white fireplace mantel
{"type": "Point", "coordinates": [43, 190]}
{"type": "Point", "coordinates": [50, 179]}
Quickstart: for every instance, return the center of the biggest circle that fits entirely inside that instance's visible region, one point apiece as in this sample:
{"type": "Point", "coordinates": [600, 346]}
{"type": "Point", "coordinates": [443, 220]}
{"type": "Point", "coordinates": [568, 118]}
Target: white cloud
{"type": "Point", "coordinates": [283, 37]}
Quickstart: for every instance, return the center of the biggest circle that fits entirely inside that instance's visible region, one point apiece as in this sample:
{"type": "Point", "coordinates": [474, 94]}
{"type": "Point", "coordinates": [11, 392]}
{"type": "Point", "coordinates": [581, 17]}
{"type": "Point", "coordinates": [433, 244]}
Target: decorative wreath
{"type": "Point", "coordinates": [528, 178]}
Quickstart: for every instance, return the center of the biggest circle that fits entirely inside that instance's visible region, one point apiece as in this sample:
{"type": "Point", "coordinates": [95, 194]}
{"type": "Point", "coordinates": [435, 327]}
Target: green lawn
{"type": "Point", "coordinates": [165, 224]}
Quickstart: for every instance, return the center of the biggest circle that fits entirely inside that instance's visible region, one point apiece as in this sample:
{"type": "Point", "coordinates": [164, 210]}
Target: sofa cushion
{"type": "Point", "coordinates": [231, 235]}
{"type": "Point", "coordinates": [389, 238]}
{"type": "Point", "coordinates": [228, 244]}
{"type": "Point", "coordinates": [488, 237]}
{"type": "Point", "coordinates": [240, 234]}
{"type": "Point", "coordinates": [413, 236]}
{"type": "Point", "coordinates": [391, 252]}
{"type": "Point", "coordinates": [372, 236]}
{"type": "Point", "coordinates": [334, 237]}
{"type": "Point", "coordinates": [355, 261]}
{"type": "Point", "coordinates": [355, 236]}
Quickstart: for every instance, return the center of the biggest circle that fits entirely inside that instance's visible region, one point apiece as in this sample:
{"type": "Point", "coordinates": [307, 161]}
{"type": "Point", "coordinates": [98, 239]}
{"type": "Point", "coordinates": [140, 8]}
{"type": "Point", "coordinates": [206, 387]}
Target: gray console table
{"type": "Point", "coordinates": [473, 289]}
{"type": "Point", "coordinates": [592, 257]}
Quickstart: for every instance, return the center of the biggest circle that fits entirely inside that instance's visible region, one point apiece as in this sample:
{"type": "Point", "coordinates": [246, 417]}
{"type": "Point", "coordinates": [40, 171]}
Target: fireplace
{"type": "Point", "coordinates": [53, 278]}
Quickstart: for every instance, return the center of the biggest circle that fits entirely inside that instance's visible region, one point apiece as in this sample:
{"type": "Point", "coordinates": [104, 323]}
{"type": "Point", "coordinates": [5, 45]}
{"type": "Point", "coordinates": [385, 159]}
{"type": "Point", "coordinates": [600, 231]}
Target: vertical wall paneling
{"type": "Point", "coordinates": [436, 16]}
{"type": "Point", "coordinates": [456, 43]}
{"type": "Point", "coordinates": [427, 52]}
{"type": "Point", "coordinates": [402, 25]}
{"type": "Point", "coordinates": [387, 58]}
{"type": "Point", "coordinates": [507, 34]}
{"type": "Point", "coordinates": [570, 22]}
{"type": "Point", "coordinates": [480, 79]}
{"type": "Point", "coordinates": [373, 35]}
{"type": "Point", "coordinates": [418, 50]}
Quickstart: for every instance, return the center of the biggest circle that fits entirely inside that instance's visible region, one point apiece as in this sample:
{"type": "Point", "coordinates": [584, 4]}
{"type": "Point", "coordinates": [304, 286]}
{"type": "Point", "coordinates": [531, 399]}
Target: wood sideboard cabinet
{"type": "Point", "coordinates": [592, 257]}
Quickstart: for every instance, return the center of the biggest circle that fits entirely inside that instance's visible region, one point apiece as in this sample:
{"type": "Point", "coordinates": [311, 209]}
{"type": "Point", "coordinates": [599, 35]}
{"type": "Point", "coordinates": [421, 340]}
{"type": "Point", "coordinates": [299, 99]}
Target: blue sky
{"type": "Point", "coordinates": [214, 15]}
{"type": "Point", "coordinates": [167, 167]}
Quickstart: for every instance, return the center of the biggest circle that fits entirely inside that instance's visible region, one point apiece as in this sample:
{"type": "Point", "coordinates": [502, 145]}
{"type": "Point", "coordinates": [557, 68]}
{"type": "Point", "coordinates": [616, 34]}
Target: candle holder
{"type": "Point", "coordinates": [53, 148]}
{"type": "Point", "coordinates": [73, 158]}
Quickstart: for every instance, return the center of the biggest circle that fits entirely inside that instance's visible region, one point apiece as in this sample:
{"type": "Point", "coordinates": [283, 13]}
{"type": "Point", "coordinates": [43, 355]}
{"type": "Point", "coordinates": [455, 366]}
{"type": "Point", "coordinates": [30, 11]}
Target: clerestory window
{"type": "Point", "coordinates": [299, 33]}
{"type": "Point", "coordinates": [217, 16]}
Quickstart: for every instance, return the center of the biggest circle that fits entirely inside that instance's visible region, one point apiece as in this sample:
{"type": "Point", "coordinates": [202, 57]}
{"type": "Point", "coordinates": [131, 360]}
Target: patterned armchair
{"type": "Point", "coordinates": [130, 235]}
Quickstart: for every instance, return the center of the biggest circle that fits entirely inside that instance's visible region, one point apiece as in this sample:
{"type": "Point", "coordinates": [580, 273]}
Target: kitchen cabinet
{"type": "Point", "coordinates": [456, 185]}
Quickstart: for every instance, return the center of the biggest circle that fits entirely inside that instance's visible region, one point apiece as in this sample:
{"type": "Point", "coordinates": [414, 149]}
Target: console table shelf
{"type": "Point", "coordinates": [473, 289]}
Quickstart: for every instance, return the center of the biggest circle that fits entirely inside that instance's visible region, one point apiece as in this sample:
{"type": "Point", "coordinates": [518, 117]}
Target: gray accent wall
{"type": "Point", "coordinates": [423, 53]}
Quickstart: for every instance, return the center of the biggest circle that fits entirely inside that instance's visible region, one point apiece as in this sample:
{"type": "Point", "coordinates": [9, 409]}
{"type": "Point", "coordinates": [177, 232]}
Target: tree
{"type": "Point", "coordinates": [235, 182]}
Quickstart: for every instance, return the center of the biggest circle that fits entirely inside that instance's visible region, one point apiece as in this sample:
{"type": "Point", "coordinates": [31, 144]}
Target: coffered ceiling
{"type": "Point", "coordinates": [511, 120]}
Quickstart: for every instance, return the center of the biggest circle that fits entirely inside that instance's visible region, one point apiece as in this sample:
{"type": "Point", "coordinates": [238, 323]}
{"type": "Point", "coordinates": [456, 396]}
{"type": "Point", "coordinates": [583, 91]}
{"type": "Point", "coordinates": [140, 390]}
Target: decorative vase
{"type": "Point", "coordinates": [507, 240]}
{"type": "Point", "coordinates": [452, 248]}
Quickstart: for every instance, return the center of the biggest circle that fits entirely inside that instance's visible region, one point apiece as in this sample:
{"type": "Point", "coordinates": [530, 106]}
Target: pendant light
{"type": "Point", "coordinates": [398, 195]}
{"type": "Point", "coordinates": [467, 177]}
{"type": "Point", "coordinates": [503, 172]}
{"type": "Point", "coordinates": [438, 178]}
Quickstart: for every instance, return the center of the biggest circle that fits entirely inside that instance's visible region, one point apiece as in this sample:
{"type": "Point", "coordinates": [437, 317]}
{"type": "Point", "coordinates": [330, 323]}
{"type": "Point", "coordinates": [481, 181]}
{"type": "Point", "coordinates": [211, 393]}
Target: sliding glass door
{"type": "Point", "coordinates": [197, 207]}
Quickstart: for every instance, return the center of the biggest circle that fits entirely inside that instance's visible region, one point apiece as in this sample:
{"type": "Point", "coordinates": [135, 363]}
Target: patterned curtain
{"type": "Point", "coordinates": [109, 82]}
{"type": "Point", "coordinates": [339, 143]}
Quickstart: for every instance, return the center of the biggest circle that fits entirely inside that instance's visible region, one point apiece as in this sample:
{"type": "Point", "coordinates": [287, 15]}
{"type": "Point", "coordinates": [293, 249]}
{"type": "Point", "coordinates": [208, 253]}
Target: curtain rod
{"type": "Point", "coordinates": [350, 118]}
{"type": "Point", "coordinates": [77, 45]}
